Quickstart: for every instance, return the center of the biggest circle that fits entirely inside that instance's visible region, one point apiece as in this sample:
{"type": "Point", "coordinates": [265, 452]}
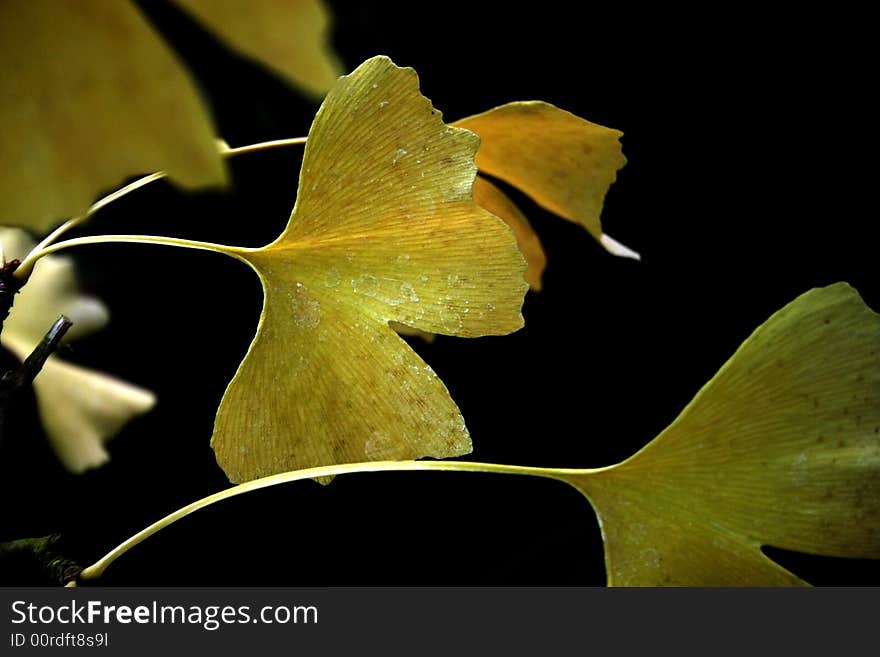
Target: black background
{"type": "Point", "coordinates": [750, 140]}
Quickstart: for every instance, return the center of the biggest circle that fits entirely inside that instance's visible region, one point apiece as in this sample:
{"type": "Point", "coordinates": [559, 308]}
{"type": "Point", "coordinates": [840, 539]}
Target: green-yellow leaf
{"type": "Point", "coordinates": [91, 96]}
{"type": "Point", "coordinates": [291, 36]}
{"type": "Point", "coordinates": [384, 230]}
{"type": "Point", "coordinates": [780, 448]}
{"type": "Point", "coordinates": [565, 163]}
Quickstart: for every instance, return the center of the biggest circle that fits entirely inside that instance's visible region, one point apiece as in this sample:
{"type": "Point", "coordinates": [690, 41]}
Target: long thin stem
{"type": "Point", "coordinates": [24, 269]}
{"type": "Point", "coordinates": [261, 146]}
{"type": "Point", "coordinates": [95, 570]}
{"type": "Point", "coordinates": [30, 260]}
{"type": "Point", "coordinates": [140, 239]}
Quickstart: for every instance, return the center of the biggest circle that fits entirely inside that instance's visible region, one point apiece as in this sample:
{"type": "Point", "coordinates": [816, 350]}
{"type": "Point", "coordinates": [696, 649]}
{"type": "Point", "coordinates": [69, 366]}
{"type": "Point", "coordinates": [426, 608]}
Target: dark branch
{"type": "Point", "coordinates": [15, 380]}
{"type": "Point", "coordinates": [36, 562]}
{"type": "Point", "coordinates": [9, 287]}
{"type": "Point", "coordinates": [30, 561]}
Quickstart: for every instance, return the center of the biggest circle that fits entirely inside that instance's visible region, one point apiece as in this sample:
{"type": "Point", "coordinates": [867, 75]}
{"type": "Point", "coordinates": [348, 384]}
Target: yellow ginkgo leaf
{"type": "Point", "coordinates": [565, 163]}
{"type": "Point", "coordinates": [80, 409]}
{"type": "Point", "coordinates": [781, 448]}
{"type": "Point", "coordinates": [384, 229]}
{"type": "Point", "coordinates": [292, 36]}
{"type": "Point", "coordinates": [91, 95]}
{"type": "Point", "coordinates": [490, 198]}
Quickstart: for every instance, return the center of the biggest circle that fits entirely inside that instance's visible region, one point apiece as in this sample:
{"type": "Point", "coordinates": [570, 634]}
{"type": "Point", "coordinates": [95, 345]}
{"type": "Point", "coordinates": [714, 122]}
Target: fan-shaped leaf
{"type": "Point", "coordinates": [384, 229]}
{"type": "Point", "coordinates": [780, 448]}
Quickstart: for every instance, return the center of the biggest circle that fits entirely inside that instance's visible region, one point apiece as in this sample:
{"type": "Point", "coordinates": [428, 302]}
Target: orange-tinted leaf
{"type": "Point", "coordinates": [384, 229]}
{"type": "Point", "coordinates": [566, 164]}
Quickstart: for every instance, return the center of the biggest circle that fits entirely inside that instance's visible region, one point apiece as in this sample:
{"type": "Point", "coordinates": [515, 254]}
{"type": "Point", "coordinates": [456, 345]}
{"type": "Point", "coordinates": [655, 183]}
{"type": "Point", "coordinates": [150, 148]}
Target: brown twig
{"type": "Point", "coordinates": [9, 287]}
{"type": "Point", "coordinates": [15, 380]}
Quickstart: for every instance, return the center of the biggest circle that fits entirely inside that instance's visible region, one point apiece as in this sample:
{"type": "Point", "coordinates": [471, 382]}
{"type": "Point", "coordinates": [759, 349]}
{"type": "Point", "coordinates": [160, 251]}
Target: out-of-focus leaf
{"type": "Point", "coordinates": [291, 36]}
{"type": "Point", "coordinates": [565, 163]}
{"type": "Point", "coordinates": [80, 409]}
{"type": "Point", "coordinates": [384, 229]}
{"type": "Point", "coordinates": [91, 96]}
{"type": "Point", "coordinates": [780, 448]}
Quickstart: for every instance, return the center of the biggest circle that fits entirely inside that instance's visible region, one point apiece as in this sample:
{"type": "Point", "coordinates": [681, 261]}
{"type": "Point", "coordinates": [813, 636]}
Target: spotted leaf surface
{"type": "Point", "coordinates": [781, 448]}
{"type": "Point", "coordinates": [384, 229]}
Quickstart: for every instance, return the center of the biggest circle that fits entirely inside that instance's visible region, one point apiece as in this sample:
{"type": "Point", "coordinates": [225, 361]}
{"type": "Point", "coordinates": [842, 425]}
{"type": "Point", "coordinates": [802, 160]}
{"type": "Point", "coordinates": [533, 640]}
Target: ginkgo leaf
{"type": "Point", "coordinates": [80, 409]}
{"type": "Point", "coordinates": [292, 36]}
{"type": "Point", "coordinates": [384, 229]}
{"type": "Point", "coordinates": [489, 197]}
{"type": "Point", "coordinates": [781, 448]}
{"type": "Point", "coordinates": [565, 163]}
{"type": "Point", "coordinates": [91, 95]}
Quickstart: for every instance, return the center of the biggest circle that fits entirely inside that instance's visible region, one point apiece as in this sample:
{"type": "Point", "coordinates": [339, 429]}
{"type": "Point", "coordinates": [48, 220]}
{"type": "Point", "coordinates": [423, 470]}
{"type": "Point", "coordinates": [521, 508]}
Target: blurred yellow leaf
{"type": "Point", "coordinates": [780, 448]}
{"type": "Point", "coordinates": [291, 36]}
{"type": "Point", "coordinates": [563, 162]}
{"type": "Point", "coordinates": [91, 95]}
{"type": "Point", "coordinates": [490, 198]}
{"type": "Point", "coordinates": [384, 229]}
{"type": "Point", "coordinates": [80, 409]}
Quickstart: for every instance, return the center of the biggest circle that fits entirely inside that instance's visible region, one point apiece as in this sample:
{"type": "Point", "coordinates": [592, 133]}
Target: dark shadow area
{"type": "Point", "coordinates": [745, 134]}
{"type": "Point", "coordinates": [826, 571]}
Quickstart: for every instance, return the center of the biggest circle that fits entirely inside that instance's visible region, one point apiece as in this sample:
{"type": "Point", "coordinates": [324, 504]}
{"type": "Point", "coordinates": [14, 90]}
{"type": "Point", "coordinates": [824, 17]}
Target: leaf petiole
{"type": "Point", "coordinates": [560, 474]}
{"type": "Point", "coordinates": [141, 239]}
{"type": "Point", "coordinates": [42, 248]}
